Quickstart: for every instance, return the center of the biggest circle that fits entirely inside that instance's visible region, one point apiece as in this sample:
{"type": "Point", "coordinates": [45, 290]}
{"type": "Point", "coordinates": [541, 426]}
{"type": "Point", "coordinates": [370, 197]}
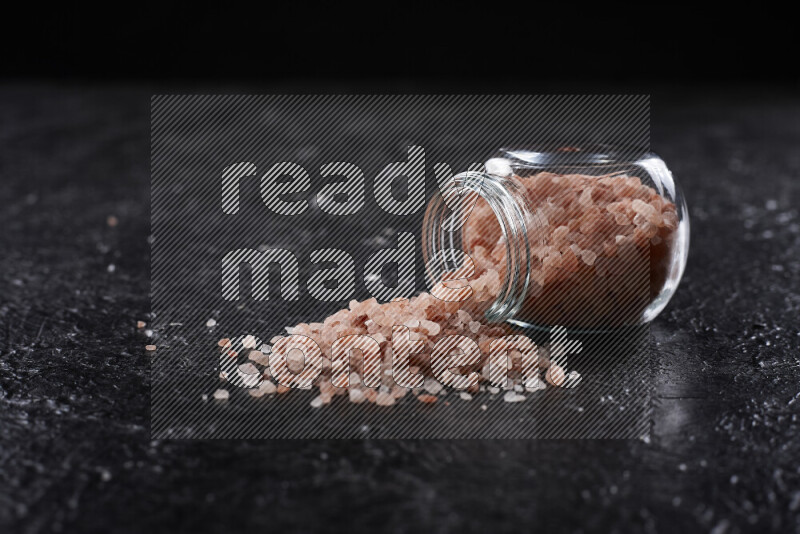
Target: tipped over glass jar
{"type": "Point", "coordinates": [589, 238]}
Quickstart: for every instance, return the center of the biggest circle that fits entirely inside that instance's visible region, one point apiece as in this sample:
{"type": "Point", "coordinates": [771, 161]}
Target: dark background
{"type": "Point", "coordinates": [75, 453]}
{"type": "Point", "coordinates": [492, 45]}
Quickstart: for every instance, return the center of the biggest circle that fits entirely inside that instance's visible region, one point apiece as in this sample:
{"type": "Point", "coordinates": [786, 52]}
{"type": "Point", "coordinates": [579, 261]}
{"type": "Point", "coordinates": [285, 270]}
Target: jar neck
{"type": "Point", "coordinates": [443, 238]}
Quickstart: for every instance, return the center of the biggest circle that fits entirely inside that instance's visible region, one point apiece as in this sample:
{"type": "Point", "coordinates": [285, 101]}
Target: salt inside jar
{"type": "Point", "coordinates": [591, 238]}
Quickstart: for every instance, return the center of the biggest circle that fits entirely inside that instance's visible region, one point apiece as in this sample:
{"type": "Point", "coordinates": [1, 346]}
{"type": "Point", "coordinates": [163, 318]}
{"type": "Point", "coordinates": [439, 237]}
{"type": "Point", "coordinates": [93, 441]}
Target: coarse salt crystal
{"type": "Point", "coordinates": [384, 399]}
{"type": "Point", "coordinates": [572, 379]}
{"type": "Point", "coordinates": [249, 374]}
{"type": "Point", "coordinates": [356, 396]}
{"type": "Point", "coordinates": [534, 384]}
{"type": "Point", "coordinates": [513, 396]}
{"type": "Point", "coordinates": [258, 357]}
{"type": "Point", "coordinates": [267, 387]}
{"type": "Point", "coordinates": [432, 386]}
{"type": "Point", "coordinates": [588, 257]}
{"type": "Point", "coordinates": [431, 327]}
{"type": "Point", "coordinates": [555, 375]}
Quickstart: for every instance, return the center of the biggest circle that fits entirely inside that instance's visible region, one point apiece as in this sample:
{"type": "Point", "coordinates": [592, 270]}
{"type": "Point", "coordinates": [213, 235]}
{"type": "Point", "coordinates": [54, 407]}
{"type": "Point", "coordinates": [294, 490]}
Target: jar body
{"type": "Point", "coordinates": [586, 239]}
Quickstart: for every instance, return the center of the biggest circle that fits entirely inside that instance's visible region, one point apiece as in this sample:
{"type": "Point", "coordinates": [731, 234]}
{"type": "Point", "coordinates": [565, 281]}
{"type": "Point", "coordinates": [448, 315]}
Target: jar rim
{"type": "Point", "coordinates": [556, 154]}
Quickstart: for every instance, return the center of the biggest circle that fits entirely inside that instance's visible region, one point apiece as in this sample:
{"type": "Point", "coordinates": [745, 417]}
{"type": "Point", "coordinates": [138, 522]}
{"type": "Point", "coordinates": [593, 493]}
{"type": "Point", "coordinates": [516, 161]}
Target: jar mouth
{"type": "Point", "coordinates": [565, 155]}
{"type": "Point", "coordinates": [442, 232]}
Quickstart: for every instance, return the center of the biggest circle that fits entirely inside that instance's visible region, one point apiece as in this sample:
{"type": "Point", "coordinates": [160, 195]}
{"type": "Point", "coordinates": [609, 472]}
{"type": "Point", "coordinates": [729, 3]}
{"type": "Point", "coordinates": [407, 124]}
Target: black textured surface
{"type": "Point", "coordinates": [75, 453]}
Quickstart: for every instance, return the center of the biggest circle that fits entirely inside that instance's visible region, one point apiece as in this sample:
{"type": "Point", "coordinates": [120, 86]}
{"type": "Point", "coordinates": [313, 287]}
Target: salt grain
{"type": "Point", "coordinates": [356, 396]}
{"type": "Point", "coordinates": [588, 257]}
{"type": "Point", "coordinates": [573, 379]}
{"type": "Point", "coordinates": [222, 394]}
{"type": "Point", "coordinates": [513, 396]}
{"type": "Point", "coordinates": [431, 327]}
{"type": "Point", "coordinates": [384, 399]}
{"type": "Point", "coordinates": [249, 374]}
{"type": "Point", "coordinates": [534, 384]}
{"type": "Point", "coordinates": [555, 375]}
{"type": "Point", "coordinates": [267, 387]}
{"type": "Point", "coordinates": [258, 357]}
{"type": "Point", "coordinates": [432, 386]}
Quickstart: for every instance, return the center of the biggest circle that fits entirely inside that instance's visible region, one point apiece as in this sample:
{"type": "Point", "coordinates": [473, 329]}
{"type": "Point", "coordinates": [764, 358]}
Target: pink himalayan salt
{"type": "Point", "coordinates": [384, 399]}
{"type": "Point", "coordinates": [432, 386]}
{"type": "Point", "coordinates": [258, 357]}
{"type": "Point", "coordinates": [513, 396]}
{"type": "Point", "coordinates": [428, 320]}
{"type": "Point", "coordinates": [430, 327]}
{"type": "Point", "coordinates": [584, 221]}
{"type": "Point", "coordinates": [356, 396]}
{"type": "Point", "coordinates": [588, 257]}
{"type": "Point", "coordinates": [555, 375]}
{"type": "Point", "coordinates": [427, 399]}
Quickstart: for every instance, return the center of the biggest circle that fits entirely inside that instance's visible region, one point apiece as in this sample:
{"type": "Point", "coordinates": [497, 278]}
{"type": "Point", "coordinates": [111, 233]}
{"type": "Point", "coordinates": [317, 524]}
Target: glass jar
{"type": "Point", "coordinates": [589, 238]}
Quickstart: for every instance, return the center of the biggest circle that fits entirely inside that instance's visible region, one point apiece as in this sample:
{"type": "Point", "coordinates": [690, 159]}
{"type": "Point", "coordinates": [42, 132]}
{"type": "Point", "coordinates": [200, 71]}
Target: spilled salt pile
{"type": "Point", "coordinates": [428, 320]}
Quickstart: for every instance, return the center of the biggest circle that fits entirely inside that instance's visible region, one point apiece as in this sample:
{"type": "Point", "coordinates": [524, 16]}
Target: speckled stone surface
{"type": "Point", "coordinates": [75, 453]}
